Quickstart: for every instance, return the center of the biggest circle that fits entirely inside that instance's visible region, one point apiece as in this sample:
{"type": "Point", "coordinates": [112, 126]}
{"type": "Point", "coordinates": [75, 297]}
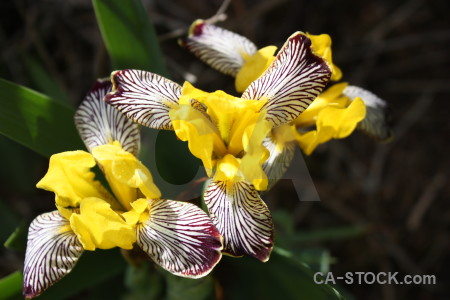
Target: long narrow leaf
{"type": "Point", "coordinates": [129, 35]}
{"type": "Point", "coordinates": [11, 285]}
{"type": "Point", "coordinates": [36, 121]}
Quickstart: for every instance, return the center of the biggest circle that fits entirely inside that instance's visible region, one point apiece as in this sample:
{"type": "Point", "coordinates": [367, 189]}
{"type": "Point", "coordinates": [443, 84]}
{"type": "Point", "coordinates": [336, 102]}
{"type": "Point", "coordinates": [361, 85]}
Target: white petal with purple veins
{"type": "Point", "coordinates": [292, 81]}
{"type": "Point", "coordinates": [99, 123]}
{"type": "Point", "coordinates": [52, 251]}
{"type": "Point", "coordinates": [181, 238]}
{"type": "Point", "coordinates": [221, 49]}
{"type": "Point", "coordinates": [144, 97]}
{"type": "Point", "coordinates": [241, 217]}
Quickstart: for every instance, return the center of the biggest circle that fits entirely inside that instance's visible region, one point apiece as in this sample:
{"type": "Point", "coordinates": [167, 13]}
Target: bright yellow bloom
{"type": "Point", "coordinates": [178, 236]}
{"type": "Point", "coordinates": [96, 216]}
{"type": "Point", "coordinates": [227, 138]}
{"type": "Point", "coordinates": [334, 116]}
{"type": "Point", "coordinates": [227, 133]}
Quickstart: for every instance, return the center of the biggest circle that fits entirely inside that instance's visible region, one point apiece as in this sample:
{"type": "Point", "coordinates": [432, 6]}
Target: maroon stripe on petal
{"type": "Point", "coordinates": [292, 81]}
{"type": "Point", "coordinates": [241, 217]}
{"type": "Point", "coordinates": [144, 97]}
{"type": "Point", "coordinates": [181, 238]}
{"type": "Point", "coordinates": [99, 123]}
{"type": "Point", "coordinates": [221, 49]}
{"type": "Point", "coordinates": [52, 251]}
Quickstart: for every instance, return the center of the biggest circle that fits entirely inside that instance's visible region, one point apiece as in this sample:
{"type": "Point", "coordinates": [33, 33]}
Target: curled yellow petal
{"type": "Point", "coordinates": [255, 153]}
{"type": "Point", "coordinates": [125, 174]}
{"type": "Point", "coordinates": [98, 226]}
{"type": "Point", "coordinates": [321, 45]}
{"type": "Point", "coordinates": [138, 213]}
{"type": "Point", "coordinates": [343, 121]}
{"type": "Point", "coordinates": [254, 66]}
{"type": "Point", "coordinates": [332, 123]}
{"type": "Point", "coordinates": [308, 141]}
{"type": "Point", "coordinates": [333, 96]}
{"type": "Point", "coordinates": [70, 178]}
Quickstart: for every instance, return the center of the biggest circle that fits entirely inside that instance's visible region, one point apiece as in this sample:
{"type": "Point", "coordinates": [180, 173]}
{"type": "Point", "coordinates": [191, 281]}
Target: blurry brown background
{"type": "Point", "coordinates": [400, 50]}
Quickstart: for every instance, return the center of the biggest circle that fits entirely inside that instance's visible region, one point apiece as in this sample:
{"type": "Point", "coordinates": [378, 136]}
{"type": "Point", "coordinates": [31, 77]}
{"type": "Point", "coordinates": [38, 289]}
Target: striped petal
{"type": "Point", "coordinates": [52, 251]}
{"type": "Point", "coordinates": [291, 82]}
{"type": "Point", "coordinates": [279, 160]}
{"type": "Point", "coordinates": [221, 49]}
{"type": "Point", "coordinates": [376, 123]}
{"type": "Point", "coordinates": [99, 123]}
{"type": "Point", "coordinates": [144, 97]}
{"type": "Point", "coordinates": [181, 238]}
{"type": "Point", "coordinates": [241, 217]}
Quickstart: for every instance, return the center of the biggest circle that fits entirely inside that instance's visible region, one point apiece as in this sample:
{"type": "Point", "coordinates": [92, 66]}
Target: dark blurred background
{"type": "Point", "coordinates": [400, 50]}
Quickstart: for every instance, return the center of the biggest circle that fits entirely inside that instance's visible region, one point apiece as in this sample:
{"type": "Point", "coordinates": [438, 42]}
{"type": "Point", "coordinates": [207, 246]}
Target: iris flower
{"type": "Point", "coordinates": [226, 133]}
{"type": "Point", "coordinates": [178, 236]}
{"type": "Point", "coordinates": [334, 114]}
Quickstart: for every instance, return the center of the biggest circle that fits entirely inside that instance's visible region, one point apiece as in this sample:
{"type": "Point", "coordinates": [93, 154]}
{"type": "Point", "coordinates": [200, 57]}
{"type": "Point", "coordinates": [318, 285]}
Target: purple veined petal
{"type": "Point", "coordinates": [52, 251]}
{"type": "Point", "coordinates": [144, 97]}
{"type": "Point", "coordinates": [376, 123]}
{"type": "Point", "coordinates": [291, 82]}
{"type": "Point", "coordinates": [99, 123]}
{"type": "Point", "coordinates": [279, 160]}
{"type": "Point", "coordinates": [181, 238]}
{"type": "Point", "coordinates": [241, 217]}
{"type": "Point", "coordinates": [221, 49]}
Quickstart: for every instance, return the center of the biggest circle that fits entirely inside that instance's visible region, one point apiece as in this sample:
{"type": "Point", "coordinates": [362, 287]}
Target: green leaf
{"type": "Point", "coordinates": [179, 288]}
{"type": "Point", "coordinates": [143, 282]}
{"type": "Point", "coordinates": [280, 278]}
{"type": "Point", "coordinates": [11, 285]}
{"type": "Point", "coordinates": [44, 82]}
{"type": "Point", "coordinates": [36, 121]}
{"type": "Point", "coordinates": [92, 269]}
{"type": "Point", "coordinates": [21, 168]}
{"type": "Point", "coordinates": [18, 239]}
{"type": "Point", "coordinates": [8, 221]}
{"type": "Point", "coordinates": [129, 35]}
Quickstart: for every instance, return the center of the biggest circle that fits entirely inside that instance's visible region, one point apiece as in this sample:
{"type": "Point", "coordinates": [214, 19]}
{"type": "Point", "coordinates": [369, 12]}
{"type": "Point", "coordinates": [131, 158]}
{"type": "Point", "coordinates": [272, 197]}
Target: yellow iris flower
{"type": "Point", "coordinates": [235, 55]}
{"type": "Point", "coordinates": [226, 132]}
{"type": "Point", "coordinates": [334, 115]}
{"type": "Point", "coordinates": [95, 216]}
{"type": "Point", "coordinates": [227, 138]}
{"type": "Point", "coordinates": [178, 236]}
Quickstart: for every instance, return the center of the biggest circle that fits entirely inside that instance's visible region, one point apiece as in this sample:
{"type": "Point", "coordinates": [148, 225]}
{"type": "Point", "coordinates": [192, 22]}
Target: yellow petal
{"type": "Point", "coordinates": [196, 128]}
{"type": "Point", "coordinates": [125, 174]}
{"type": "Point", "coordinates": [255, 153]}
{"type": "Point", "coordinates": [254, 66]}
{"type": "Point", "coordinates": [98, 226]}
{"type": "Point", "coordinates": [308, 141]}
{"type": "Point", "coordinates": [138, 213]}
{"type": "Point", "coordinates": [343, 121]}
{"type": "Point", "coordinates": [333, 96]}
{"type": "Point", "coordinates": [70, 178]}
{"type": "Point", "coordinates": [332, 122]}
{"type": "Point", "coordinates": [249, 168]}
{"type": "Point", "coordinates": [228, 169]}
{"type": "Point", "coordinates": [322, 46]}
